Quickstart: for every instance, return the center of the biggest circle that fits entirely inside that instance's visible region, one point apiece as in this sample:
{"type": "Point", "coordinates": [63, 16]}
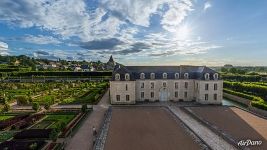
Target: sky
{"type": "Point", "coordinates": [137, 32]}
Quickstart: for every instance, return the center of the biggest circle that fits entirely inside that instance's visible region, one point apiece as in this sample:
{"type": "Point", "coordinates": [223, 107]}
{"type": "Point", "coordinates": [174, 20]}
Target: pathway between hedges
{"type": "Point", "coordinates": [83, 139]}
{"type": "Point", "coordinates": [213, 140]}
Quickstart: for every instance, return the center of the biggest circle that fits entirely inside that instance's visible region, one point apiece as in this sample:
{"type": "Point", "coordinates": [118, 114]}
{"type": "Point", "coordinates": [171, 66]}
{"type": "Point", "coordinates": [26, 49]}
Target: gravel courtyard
{"type": "Point", "coordinates": [146, 128]}
{"type": "Point", "coordinates": [235, 122]}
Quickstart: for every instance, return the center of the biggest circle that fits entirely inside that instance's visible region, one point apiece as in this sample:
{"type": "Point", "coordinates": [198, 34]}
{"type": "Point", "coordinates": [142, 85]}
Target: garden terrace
{"type": "Point", "coordinates": [232, 123]}
{"type": "Point", "coordinates": [34, 134]}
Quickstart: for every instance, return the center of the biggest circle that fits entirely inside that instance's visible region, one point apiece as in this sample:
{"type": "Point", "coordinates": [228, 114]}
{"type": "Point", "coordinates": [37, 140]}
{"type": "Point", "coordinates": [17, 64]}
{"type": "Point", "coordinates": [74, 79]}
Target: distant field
{"type": "Point", "coordinates": [147, 128]}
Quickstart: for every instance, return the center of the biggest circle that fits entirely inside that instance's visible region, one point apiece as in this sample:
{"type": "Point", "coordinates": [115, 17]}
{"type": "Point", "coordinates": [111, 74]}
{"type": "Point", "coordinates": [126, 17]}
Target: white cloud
{"type": "Point", "coordinates": [41, 39]}
{"type": "Point", "coordinates": [65, 18]}
{"type": "Point", "coordinates": [207, 5]}
{"type": "Point", "coordinates": [3, 48]}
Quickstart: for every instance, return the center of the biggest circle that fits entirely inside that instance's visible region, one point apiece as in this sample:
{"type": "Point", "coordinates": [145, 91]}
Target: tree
{"type": "Point", "coordinates": [47, 106]}
{"type": "Point", "coordinates": [233, 70]}
{"type": "Point", "coordinates": [6, 108]}
{"type": "Point", "coordinates": [224, 69]}
{"type": "Point", "coordinates": [35, 106]}
{"type": "Point", "coordinates": [84, 107]}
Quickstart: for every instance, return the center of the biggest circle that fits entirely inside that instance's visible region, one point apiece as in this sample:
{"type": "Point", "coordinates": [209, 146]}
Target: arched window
{"type": "Point", "coordinates": [207, 76]}
{"type": "Point", "coordinates": [176, 75]}
{"type": "Point", "coordinates": [127, 76]}
{"type": "Point", "coordinates": [152, 75]}
{"type": "Point", "coordinates": [117, 76]}
{"type": "Point", "coordinates": [142, 76]}
{"type": "Point", "coordinates": [164, 75]}
{"type": "Point", "coordinates": [186, 75]}
{"type": "Point", "coordinates": [216, 76]}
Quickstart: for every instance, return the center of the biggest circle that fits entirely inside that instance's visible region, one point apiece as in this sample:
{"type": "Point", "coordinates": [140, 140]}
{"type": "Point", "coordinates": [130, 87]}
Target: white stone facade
{"type": "Point", "coordinates": [131, 84]}
{"type": "Point", "coordinates": [175, 90]}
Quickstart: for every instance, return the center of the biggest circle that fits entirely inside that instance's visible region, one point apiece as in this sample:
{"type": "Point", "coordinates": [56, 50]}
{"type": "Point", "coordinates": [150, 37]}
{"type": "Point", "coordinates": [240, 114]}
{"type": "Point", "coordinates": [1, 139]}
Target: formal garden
{"type": "Point", "coordinates": [50, 93]}
{"type": "Point", "coordinates": [39, 130]}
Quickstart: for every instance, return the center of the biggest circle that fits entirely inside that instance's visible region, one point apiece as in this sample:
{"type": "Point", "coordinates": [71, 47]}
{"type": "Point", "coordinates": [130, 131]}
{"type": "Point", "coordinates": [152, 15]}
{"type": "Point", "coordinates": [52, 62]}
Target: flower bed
{"type": "Point", "coordinates": [20, 145]}
{"type": "Point", "coordinates": [66, 130]}
{"type": "Point", "coordinates": [34, 134]}
{"type": "Point", "coordinates": [27, 121]}
{"type": "Point", "coordinates": [6, 123]}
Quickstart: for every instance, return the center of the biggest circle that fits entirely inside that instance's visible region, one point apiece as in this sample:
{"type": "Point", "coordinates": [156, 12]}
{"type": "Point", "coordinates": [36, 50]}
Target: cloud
{"type": "Point", "coordinates": [101, 44]}
{"type": "Point", "coordinates": [207, 5]}
{"type": "Point", "coordinates": [65, 18]}
{"type": "Point", "coordinates": [3, 48]}
{"type": "Point", "coordinates": [41, 39]}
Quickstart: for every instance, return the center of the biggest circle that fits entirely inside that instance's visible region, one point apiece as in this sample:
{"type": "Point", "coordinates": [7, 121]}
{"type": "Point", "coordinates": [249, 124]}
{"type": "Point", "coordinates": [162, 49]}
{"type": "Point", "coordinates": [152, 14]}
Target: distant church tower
{"type": "Point", "coordinates": [111, 63]}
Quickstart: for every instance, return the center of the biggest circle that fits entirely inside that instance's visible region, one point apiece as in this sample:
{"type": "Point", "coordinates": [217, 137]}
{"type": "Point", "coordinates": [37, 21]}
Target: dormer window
{"type": "Point", "coordinates": [127, 76]}
{"type": "Point", "coordinates": [186, 75]}
{"type": "Point", "coordinates": [117, 77]}
{"type": "Point", "coordinates": [152, 75]}
{"type": "Point", "coordinates": [176, 75]}
{"type": "Point", "coordinates": [142, 76]}
{"type": "Point", "coordinates": [207, 76]}
{"type": "Point", "coordinates": [164, 75]}
{"type": "Point", "coordinates": [216, 76]}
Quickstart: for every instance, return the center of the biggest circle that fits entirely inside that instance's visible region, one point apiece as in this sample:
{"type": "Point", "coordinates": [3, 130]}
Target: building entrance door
{"type": "Point", "coordinates": [163, 94]}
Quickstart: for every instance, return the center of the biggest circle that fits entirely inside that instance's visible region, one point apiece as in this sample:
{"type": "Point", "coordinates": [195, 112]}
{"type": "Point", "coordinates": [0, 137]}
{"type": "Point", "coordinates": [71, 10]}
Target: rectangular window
{"type": "Point", "coordinates": [176, 85]}
{"type": "Point", "coordinates": [142, 85]}
{"type": "Point", "coordinates": [152, 94]}
{"type": "Point", "coordinates": [118, 98]}
{"type": "Point", "coordinates": [197, 86]}
{"type": "Point", "coordinates": [185, 94]}
{"type": "Point", "coordinates": [176, 94]}
{"type": "Point", "coordinates": [152, 85]}
{"type": "Point", "coordinates": [215, 87]}
{"type": "Point", "coordinates": [206, 87]}
{"type": "Point", "coordinates": [142, 94]}
{"type": "Point", "coordinates": [215, 97]}
{"type": "Point", "coordinates": [186, 85]}
{"type": "Point", "coordinates": [126, 87]}
{"type": "Point", "coordinates": [206, 97]}
{"type": "Point", "coordinates": [127, 97]}
{"type": "Point", "coordinates": [164, 84]}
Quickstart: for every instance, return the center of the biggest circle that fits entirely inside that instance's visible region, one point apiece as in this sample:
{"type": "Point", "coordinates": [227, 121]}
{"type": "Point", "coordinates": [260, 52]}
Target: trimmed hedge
{"type": "Point", "coordinates": [259, 104]}
{"type": "Point", "coordinates": [255, 101]}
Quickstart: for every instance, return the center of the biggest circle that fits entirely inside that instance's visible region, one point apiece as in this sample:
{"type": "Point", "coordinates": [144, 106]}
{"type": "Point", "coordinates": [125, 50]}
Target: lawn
{"type": "Point", "coordinates": [53, 120]}
{"type": "Point", "coordinates": [2, 118]}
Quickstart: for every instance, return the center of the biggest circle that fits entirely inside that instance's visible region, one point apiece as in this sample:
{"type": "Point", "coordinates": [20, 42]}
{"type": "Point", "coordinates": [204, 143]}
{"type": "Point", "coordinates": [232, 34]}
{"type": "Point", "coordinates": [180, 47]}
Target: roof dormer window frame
{"type": "Point", "coordinates": [215, 76]}
{"type": "Point", "coordinates": [127, 76]}
{"type": "Point", "coordinates": [142, 75]}
{"type": "Point", "coordinates": [176, 75]}
{"type": "Point", "coordinates": [117, 77]}
{"type": "Point", "coordinates": [152, 75]}
{"type": "Point", "coordinates": [207, 76]}
{"type": "Point", "coordinates": [186, 75]}
{"type": "Point", "coordinates": [164, 75]}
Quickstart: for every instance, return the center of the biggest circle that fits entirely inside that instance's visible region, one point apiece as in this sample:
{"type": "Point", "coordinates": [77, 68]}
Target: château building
{"type": "Point", "coordinates": [131, 84]}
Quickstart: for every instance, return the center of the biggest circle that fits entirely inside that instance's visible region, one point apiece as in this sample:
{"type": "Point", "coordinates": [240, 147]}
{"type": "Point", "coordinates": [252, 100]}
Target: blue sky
{"type": "Point", "coordinates": [137, 32]}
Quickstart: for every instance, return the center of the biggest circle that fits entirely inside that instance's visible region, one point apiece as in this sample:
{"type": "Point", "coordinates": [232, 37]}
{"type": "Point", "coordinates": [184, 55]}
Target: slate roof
{"type": "Point", "coordinates": [195, 72]}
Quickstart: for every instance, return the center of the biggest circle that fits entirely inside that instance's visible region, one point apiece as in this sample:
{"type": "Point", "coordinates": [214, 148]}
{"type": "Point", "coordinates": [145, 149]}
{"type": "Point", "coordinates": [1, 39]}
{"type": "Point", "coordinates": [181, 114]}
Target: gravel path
{"type": "Point", "coordinates": [83, 139]}
{"type": "Point", "coordinates": [212, 139]}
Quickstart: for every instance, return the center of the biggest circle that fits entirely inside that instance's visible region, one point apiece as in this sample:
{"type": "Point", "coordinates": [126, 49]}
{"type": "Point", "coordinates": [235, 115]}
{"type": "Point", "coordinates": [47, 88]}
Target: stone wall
{"type": "Point", "coordinates": [237, 99]}
{"type": "Point", "coordinates": [258, 111]}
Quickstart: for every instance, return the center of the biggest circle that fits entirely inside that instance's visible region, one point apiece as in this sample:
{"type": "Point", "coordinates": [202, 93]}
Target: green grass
{"type": "Point", "coordinates": [2, 118]}
{"type": "Point", "coordinates": [43, 124]}
{"type": "Point", "coordinates": [55, 119]}
{"type": "Point", "coordinates": [6, 135]}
